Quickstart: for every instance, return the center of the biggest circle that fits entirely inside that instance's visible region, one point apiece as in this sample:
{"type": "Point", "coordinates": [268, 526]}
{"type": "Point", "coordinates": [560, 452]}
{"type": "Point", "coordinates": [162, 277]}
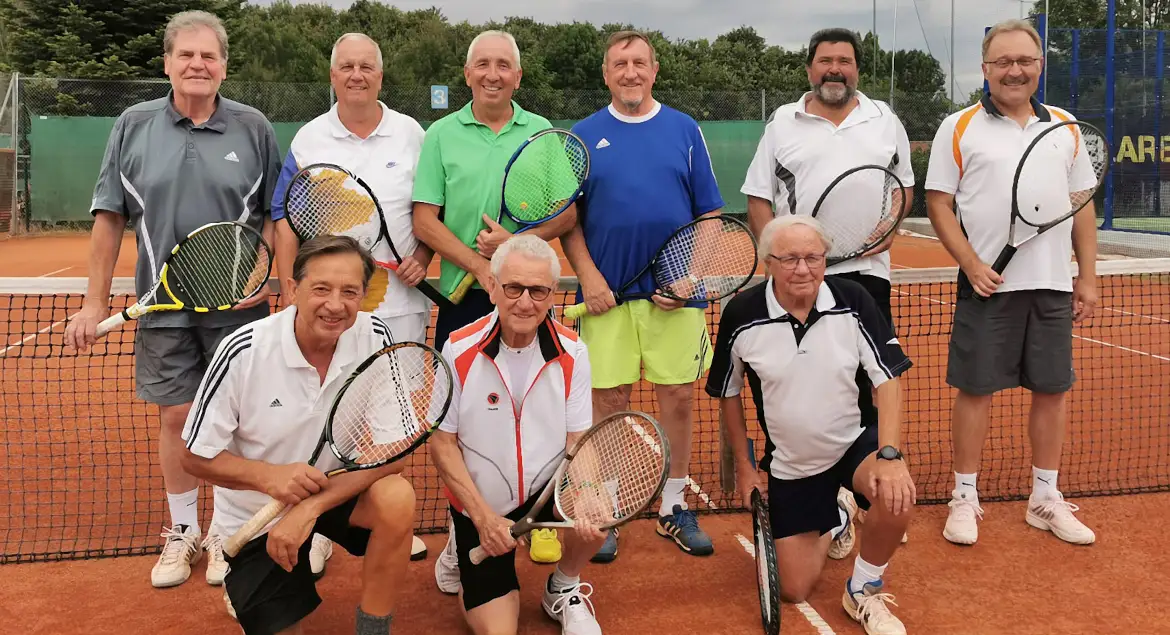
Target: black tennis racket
{"type": "Point", "coordinates": [768, 574]}
{"type": "Point", "coordinates": [1060, 172]}
{"type": "Point", "coordinates": [214, 268]}
{"type": "Point", "coordinates": [387, 408]}
{"type": "Point", "coordinates": [609, 477]}
{"type": "Point", "coordinates": [705, 260]}
{"type": "Point", "coordinates": [859, 210]}
{"type": "Point", "coordinates": [324, 198]}
{"type": "Point", "coordinates": [543, 178]}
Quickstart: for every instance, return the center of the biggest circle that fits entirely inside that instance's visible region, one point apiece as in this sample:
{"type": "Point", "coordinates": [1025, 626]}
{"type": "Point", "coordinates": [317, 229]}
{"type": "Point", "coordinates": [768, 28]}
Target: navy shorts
{"type": "Point", "coordinates": [476, 304]}
{"type": "Point", "coordinates": [810, 504]}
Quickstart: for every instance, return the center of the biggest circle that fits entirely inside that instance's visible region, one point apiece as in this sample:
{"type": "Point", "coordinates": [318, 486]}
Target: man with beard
{"type": "Point", "coordinates": [1021, 334]}
{"type": "Point", "coordinates": [806, 145]}
{"type": "Point", "coordinates": [650, 174]}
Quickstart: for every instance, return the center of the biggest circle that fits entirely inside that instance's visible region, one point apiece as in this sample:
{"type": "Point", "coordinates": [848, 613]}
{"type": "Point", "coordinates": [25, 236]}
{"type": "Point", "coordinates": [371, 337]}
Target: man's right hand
{"type": "Point", "coordinates": [82, 328]}
{"type": "Point", "coordinates": [494, 535]}
{"type": "Point", "coordinates": [983, 278]}
{"type": "Point", "coordinates": [747, 480]}
{"type": "Point", "coordinates": [597, 294]}
{"type": "Point", "coordinates": [293, 483]}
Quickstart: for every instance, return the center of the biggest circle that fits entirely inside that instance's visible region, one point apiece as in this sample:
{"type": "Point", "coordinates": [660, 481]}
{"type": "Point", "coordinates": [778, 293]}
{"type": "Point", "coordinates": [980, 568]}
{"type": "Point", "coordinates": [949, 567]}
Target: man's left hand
{"type": "Point", "coordinates": [260, 297]}
{"type": "Point", "coordinates": [288, 534]}
{"type": "Point", "coordinates": [890, 484]}
{"type": "Point", "coordinates": [1084, 299]}
{"type": "Point", "coordinates": [491, 238]}
{"type": "Point", "coordinates": [410, 272]}
{"type": "Point", "coordinates": [667, 304]}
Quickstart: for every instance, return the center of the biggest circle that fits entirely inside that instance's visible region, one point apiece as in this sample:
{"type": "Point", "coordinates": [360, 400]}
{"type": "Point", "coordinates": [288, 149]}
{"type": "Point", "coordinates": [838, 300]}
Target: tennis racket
{"type": "Point", "coordinates": [859, 210]}
{"type": "Point", "coordinates": [1060, 172]}
{"type": "Point", "coordinates": [768, 575]}
{"type": "Point", "coordinates": [543, 178]}
{"type": "Point", "coordinates": [214, 268]}
{"type": "Point", "coordinates": [324, 198]}
{"type": "Point", "coordinates": [387, 408]}
{"type": "Point", "coordinates": [705, 260]}
{"type": "Point", "coordinates": [608, 477]}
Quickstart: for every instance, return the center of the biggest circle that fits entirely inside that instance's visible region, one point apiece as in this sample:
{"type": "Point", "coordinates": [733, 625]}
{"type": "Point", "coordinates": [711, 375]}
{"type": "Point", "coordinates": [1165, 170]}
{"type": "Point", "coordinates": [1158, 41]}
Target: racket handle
{"type": "Point", "coordinates": [1004, 258]}
{"type": "Point", "coordinates": [463, 288]}
{"type": "Point", "coordinates": [252, 527]}
{"type": "Point", "coordinates": [576, 311]}
{"type": "Point", "coordinates": [111, 323]}
{"type": "Point", "coordinates": [478, 555]}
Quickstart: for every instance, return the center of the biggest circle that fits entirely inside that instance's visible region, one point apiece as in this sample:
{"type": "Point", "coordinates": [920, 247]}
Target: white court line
{"type": "Point", "coordinates": [1139, 315]}
{"type": "Point", "coordinates": [694, 487]}
{"type": "Point", "coordinates": [52, 326]}
{"type": "Point", "coordinates": [809, 613]}
{"type": "Point", "coordinates": [53, 273]}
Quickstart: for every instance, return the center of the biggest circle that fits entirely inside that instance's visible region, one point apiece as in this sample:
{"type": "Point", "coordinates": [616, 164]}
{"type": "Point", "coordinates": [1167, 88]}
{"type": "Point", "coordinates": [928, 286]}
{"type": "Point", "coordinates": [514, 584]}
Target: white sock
{"type": "Point", "coordinates": [1043, 483]}
{"type": "Point", "coordinates": [560, 581]}
{"type": "Point", "coordinates": [185, 508]}
{"type": "Point", "coordinates": [864, 573]}
{"type": "Point", "coordinates": [844, 521]}
{"type": "Point", "coordinates": [965, 487]}
{"type": "Point", "coordinates": [672, 495]}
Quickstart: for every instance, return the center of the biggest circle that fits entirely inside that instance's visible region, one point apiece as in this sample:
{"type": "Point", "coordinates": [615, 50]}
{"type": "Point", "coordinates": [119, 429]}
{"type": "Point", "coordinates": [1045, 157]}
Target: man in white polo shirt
{"type": "Point", "coordinates": [809, 143]}
{"type": "Point", "coordinates": [257, 418]}
{"type": "Point", "coordinates": [798, 339]}
{"type": "Point", "coordinates": [1021, 333]}
{"type": "Point", "coordinates": [363, 135]}
{"type": "Point", "coordinates": [523, 396]}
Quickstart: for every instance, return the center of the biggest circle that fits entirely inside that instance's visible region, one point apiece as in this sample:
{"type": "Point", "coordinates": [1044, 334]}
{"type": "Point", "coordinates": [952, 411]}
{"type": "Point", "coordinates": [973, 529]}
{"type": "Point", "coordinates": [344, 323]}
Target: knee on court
{"type": "Point", "coordinates": [796, 592]}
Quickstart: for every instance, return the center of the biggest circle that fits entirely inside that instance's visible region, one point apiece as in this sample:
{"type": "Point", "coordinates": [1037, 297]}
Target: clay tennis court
{"type": "Point", "coordinates": [78, 481]}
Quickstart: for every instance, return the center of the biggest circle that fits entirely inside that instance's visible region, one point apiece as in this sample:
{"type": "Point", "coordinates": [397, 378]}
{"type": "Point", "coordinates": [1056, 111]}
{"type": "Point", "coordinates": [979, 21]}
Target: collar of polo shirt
{"type": "Point", "coordinates": [339, 131]}
{"type": "Point", "coordinates": [866, 109]}
{"type": "Point", "coordinates": [467, 118]}
{"type": "Point", "coordinates": [1037, 108]}
{"type": "Point", "coordinates": [218, 121]}
{"type": "Point", "coordinates": [825, 301]}
{"type": "Point", "coordinates": [344, 355]}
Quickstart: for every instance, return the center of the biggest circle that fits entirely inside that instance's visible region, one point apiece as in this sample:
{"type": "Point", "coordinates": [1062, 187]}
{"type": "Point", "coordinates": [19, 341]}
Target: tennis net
{"type": "Point", "coordinates": [79, 472]}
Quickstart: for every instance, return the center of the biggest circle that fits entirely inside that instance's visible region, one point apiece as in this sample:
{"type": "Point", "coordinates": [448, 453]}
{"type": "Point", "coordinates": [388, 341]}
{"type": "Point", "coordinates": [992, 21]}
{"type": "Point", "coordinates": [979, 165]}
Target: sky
{"type": "Point", "coordinates": [920, 24]}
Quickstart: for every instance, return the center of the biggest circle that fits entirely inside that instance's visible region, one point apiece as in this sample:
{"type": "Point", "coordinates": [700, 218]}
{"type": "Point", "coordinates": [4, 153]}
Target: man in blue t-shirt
{"type": "Point", "coordinates": [650, 174]}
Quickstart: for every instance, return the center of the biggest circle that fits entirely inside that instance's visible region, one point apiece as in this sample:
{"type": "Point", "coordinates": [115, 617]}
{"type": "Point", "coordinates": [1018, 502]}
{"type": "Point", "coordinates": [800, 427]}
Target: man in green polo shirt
{"type": "Point", "coordinates": [457, 199]}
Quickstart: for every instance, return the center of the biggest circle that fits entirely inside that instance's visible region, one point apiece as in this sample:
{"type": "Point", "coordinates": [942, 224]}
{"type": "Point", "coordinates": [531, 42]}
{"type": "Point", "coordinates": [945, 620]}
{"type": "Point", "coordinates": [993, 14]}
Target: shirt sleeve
{"type": "Point", "coordinates": [905, 168]}
{"type": "Point", "coordinates": [287, 171]}
{"type": "Point", "coordinates": [451, 421]}
{"type": "Point", "coordinates": [704, 186]}
{"type": "Point", "coordinates": [271, 157]}
{"type": "Point", "coordinates": [579, 409]}
{"type": "Point", "coordinates": [760, 180]}
{"type": "Point", "coordinates": [878, 348]}
{"type": "Point", "coordinates": [942, 174]}
{"type": "Point", "coordinates": [381, 333]}
{"type": "Point", "coordinates": [430, 178]}
{"type": "Point", "coordinates": [725, 379]}
{"type": "Point", "coordinates": [215, 413]}
{"type": "Point", "coordinates": [108, 194]}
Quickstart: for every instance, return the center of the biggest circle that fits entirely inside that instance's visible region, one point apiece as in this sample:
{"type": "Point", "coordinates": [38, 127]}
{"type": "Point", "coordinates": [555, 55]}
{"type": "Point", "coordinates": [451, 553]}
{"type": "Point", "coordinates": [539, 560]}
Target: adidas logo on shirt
{"type": "Point", "coordinates": [604, 143]}
{"type": "Point", "coordinates": [231, 156]}
{"type": "Point", "coordinates": [275, 404]}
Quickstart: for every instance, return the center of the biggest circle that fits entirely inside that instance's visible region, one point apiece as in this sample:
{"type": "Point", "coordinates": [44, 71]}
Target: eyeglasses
{"type": "Point", "coordinates": [1005, 63]}
{"type": "Point", "coordinates": [514, 290]}
{"type": "Point", "coordinates": [789, 263]}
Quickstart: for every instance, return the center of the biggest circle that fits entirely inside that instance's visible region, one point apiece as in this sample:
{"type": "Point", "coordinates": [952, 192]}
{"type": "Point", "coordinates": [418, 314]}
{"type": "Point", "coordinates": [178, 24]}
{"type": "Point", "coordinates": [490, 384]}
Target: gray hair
{"type": "Point", "coordinates": [1010, 26]}
{"type": "Point", "coordinates": [531, 246]}
{"type": "Point", "coordinates": [768, 234]}
{"type": "Point", "coordinates": [488, 34]}
{"type": "Point", "coordinates": [354, 36]}
{"type": "Point", "coordinates": [188, 20]}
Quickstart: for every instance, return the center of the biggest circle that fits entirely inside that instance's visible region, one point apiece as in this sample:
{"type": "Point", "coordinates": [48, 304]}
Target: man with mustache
{"type": "Point", "coordinates": [171, 166]}
{"type": "Point", "coordinates": [456, 201]}
{"type": "Point", "coordinates": [1021, 333]}
{"type": "Point", "coordinates": [380, 146]}
{"type": "Point", "coordinates": [807, 144]}
{"type": "Point", "coordinates": [650, 174]}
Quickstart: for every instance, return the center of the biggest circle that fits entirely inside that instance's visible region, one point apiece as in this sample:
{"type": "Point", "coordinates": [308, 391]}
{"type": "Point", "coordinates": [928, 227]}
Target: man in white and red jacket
{"type": "Point", "coordinates": [522, 396]}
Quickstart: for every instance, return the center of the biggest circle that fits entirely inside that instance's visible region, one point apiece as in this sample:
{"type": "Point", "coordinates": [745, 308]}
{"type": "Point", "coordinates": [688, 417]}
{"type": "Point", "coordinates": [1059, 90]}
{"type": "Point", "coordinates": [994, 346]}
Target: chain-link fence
{"type": "Point", "coordinates": [63, 125]}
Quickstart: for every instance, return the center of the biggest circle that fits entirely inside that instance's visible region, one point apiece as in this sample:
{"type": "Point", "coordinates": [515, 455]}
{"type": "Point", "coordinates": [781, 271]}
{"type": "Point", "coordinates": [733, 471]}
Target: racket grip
{"type": "Point", "coordinates": [111, 323]}
{"type": "Point", "coordinates": [252, 527]}
{"type": "Point", "coordinates": [576, 311]}
{"type": "Point", "coordinates": [463, 288]}
{"type": "Point", "coordinates": [478, 555]}
{"type": "Point", "coordinates": [1004, 258]}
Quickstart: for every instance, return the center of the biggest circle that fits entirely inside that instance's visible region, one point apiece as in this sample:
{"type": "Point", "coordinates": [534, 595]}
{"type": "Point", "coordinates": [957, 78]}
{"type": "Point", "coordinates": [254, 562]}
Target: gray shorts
{"type": "Point", "coordinates": [1017, 338]}
{"type": "Point", "coordinates": [169, 362]}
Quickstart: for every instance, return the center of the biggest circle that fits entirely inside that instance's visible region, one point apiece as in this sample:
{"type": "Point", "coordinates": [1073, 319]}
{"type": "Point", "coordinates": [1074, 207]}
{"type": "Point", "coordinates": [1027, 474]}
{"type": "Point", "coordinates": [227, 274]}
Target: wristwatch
{"type": "Point", "coordinates": [889, 453]}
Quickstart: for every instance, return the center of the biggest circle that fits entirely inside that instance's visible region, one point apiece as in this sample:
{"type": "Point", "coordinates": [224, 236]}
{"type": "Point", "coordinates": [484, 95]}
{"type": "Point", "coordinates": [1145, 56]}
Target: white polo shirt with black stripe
{"type": "Point", "coordinates": [804, 376]}
{"type": "Point", "coordinates": [800, 154]}
{"type": "Point", "coordinates": [261, 399]}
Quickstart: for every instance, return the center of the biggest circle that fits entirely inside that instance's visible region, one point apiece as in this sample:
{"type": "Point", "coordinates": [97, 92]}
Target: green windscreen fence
{"type": "Point", "coordinates": [66, 155]}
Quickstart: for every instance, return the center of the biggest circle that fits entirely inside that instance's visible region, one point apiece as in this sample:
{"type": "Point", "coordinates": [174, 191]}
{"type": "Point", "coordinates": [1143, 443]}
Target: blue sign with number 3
{"type": "Point", "coordinates": [439, 97]}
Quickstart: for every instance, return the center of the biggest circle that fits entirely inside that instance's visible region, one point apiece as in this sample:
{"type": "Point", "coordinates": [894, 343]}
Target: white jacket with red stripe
{"type": "Point", "coordinates": [512, 453]}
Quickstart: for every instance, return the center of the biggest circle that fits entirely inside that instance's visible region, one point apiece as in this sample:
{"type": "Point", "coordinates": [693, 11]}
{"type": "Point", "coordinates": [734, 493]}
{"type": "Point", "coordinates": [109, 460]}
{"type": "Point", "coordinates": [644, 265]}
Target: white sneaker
{"type": "Point", "coordinates": [418, 549]}
{"type": "Point", "coordinates": [319, 552]}
{"type": "Point", "coordinates": [1056, 515]}
{"type": "Point", "coordinates": [180, 551]}
{"type": "Point", "coordinates": [572, 608]}
{"type": "Point", "coordinates": [962, 521]}
{"type": "Point", "coordinates": [842, 545]}
{"type": "Point", "coordinates": [869, 608]}
{"type": "Point", "coordinates": [447, 566]}
{"type": "Point", "coordinates": [216, 566]}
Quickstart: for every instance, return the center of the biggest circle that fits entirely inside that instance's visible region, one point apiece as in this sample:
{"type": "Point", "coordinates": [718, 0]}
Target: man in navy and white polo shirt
{"type": "Point", "coordinates": [256, 421]}
{"type": "Point", "coordinates": [799, 339]}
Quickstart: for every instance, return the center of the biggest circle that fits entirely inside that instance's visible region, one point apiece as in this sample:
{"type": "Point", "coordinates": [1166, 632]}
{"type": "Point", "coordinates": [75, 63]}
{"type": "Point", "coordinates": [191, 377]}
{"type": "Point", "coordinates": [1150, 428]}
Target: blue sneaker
{"type": "Point", "coordinates": [683, 528]}
{"type": "Point", "coordinates": [608, 550]}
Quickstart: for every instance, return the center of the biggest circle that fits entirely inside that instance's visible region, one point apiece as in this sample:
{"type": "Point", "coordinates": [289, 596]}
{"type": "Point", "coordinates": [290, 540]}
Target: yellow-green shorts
{"type": "Point", "coordinates": [636, 335]}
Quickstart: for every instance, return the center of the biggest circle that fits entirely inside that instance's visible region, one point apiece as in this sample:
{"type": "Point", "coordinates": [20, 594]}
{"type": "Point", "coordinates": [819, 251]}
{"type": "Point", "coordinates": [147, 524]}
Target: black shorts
{"type": "Point", "coordinates": [810, 504]}
{"type": "Point", "coordinates": [495, 577]}
{"type": "Point", "coordinates": [879, 290]}
{"type": "Point", "coordinates": [169, 362]}
{"type": "Point", "coordinates": [1016, 338]}
{"type": "Point", "coordinates": [476, 304]}
{"type": "Point", "coordinates": [268, 599]}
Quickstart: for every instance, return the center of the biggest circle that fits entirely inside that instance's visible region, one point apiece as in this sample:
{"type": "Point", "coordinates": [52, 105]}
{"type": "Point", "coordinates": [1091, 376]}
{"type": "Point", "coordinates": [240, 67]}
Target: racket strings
{"type": "Point", "coordinates": [860, 211]}
{"type": "Point", "coordinates": [1069, 158]}
{"type": "Point", "coordinates": [546, 173]}
{"type": "Point", "coordinates": [327, 201]}
{"type": "Point", "coordinates": [218, 267]}
{"type": "Point", "coordinates": [615, 474]}
{"type": "Point", "coordinates": [707, 260]}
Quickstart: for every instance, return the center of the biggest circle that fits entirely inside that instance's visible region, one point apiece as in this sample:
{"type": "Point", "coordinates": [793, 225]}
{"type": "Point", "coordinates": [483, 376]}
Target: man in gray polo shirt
{"type": "Point", "coordinates": [171, 166]}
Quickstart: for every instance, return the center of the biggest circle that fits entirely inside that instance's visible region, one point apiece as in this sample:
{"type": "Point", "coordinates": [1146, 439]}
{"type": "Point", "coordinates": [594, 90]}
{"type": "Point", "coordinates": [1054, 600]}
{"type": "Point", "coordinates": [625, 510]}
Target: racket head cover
{"type": "Point", "coordinates": [1061, 170]}
{"type": "Point", "coordinates": [615, 470]}
{"type": "Point", "coordinates": [705, 260]}
{"type": "Point", "coordinates": [859, 210]}
{"type": "Point", "coordinates": [217, 266]}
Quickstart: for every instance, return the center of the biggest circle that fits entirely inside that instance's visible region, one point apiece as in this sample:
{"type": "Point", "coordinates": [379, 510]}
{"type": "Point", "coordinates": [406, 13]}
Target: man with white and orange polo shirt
{"type": "Point", "coordinates": [522, 397]}
{"type": "Point", "coordinates": [1020, 332]}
